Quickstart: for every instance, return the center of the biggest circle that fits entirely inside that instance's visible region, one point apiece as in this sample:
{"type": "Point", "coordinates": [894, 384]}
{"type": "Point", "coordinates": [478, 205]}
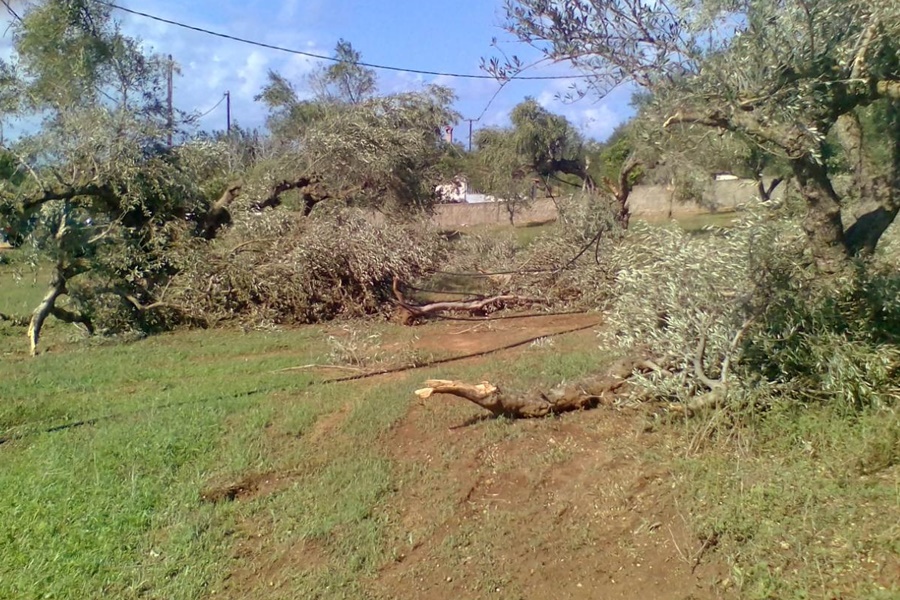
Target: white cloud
{"type": "Point", "coordinates": [210, 66]}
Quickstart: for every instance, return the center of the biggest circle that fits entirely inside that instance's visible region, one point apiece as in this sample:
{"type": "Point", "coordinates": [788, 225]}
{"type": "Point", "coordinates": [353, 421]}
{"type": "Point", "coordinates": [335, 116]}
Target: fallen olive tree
{"type": "Point", "coordinates": [730, 320]}
{"type": "Point", "coordinates": [279, 267]}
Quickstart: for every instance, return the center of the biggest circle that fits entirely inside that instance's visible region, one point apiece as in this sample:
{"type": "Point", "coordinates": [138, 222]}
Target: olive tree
{"type": "Point", "coordinates": [338, 140]}
{"type": "Point", "coordinates": [95, 191]}
{"type": "Point", "coordinates": [782, 75]}
{"type": "Point", "coordinates": [537, 150]}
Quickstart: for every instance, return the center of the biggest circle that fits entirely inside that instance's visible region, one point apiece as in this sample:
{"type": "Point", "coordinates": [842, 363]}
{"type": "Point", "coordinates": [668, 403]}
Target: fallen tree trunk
{"type": "Point", "coordinates": [44, 309]}
{"type": "Point", "coordinates": [586, 394]}
{"type": "Point", "coordinates": [412, 312]}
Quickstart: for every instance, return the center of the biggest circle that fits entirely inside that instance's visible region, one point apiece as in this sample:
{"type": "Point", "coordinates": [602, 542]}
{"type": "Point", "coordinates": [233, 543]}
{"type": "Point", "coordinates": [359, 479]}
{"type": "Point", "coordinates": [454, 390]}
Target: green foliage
{"type": "Point", "coordinates": [342, 83]}
{"type": "Point", "coordinates": [611, 158]}
{"type": "Point", "coordinates": [94, 191]}
{"type": "Point", "coordinates": [745, 299]}
{"type": "Point", "coordinates": [275, 268]}
{"type": "Point", "coordinates": [541, 149]}
{"type": "Point", "coordinates": [383, 152]}
{"type": "Point", "coordinates": [839, 347]}
{"type": "Point", "coordinates": [345, 81]}
{"type": "Point", "coordinates": [759, 72]}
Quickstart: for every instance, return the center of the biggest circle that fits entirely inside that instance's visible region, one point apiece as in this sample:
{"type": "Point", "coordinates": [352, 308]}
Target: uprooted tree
{"type": "Point", "coordinates": [125, 219]}
{"type": "Point", "coordinates": [780, 75]}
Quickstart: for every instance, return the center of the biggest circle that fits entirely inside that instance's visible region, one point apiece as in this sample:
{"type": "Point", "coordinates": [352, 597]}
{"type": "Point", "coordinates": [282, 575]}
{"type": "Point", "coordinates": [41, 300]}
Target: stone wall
{"type": "Point", "coordinates": [645, 200]}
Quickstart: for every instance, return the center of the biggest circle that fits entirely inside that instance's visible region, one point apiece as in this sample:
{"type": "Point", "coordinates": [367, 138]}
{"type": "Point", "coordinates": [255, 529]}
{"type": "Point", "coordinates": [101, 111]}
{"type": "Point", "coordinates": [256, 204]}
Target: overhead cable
{"type": "Point", "coordinates": [331, 58]}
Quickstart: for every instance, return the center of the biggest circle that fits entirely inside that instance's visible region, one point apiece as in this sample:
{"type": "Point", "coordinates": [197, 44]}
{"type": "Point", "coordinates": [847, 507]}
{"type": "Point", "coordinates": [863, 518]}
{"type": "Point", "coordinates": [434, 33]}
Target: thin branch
{"type": "Point", "coordinates": [698, 365]}
{"type": "Point", "coordinates": [316, 366]}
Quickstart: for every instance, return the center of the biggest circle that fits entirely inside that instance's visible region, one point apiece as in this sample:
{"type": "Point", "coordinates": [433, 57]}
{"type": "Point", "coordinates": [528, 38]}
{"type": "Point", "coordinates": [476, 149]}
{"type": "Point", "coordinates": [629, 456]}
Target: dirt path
{"type": "Point", "coordinates": [575, 507]}
{"type": "Point", "coordinates": [558, 508]}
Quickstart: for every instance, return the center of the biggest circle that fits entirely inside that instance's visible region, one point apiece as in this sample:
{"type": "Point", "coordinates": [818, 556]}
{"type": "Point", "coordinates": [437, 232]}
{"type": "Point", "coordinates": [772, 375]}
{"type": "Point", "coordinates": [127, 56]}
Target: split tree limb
{"type": "Point", "coordinates": [564, 398]}
{"type": "Point", "coordinates": [219, 214]}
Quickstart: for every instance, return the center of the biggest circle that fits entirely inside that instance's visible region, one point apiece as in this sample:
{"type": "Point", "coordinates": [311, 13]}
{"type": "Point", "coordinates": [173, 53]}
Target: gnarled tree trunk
{"type": "Point", "coordinates": [823, 224]}
{"type": "Point", "coordinates": [45, 308]}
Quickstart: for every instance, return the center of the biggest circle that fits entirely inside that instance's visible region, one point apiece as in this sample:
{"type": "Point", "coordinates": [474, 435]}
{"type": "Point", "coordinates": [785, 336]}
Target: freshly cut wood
{"type": "Point", "coordinates": [592, 392]}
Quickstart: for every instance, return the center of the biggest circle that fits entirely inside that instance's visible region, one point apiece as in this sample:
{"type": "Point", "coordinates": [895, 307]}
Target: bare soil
{"type": "Point", "coordinates": [564, 508]}
{"type": "Point", "coordinates": [580, 506]}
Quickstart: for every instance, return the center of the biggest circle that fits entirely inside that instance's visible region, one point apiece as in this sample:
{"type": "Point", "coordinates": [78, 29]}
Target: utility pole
{"type": "Point", "coordinates": [470, 132]}
{"type": "Point", "coordinates": [170, 122]}
{"type": "Point", "coordinates": [228, 112]}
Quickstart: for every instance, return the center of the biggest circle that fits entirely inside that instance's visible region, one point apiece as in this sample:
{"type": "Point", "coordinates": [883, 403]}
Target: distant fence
{"type": "Point", "coordinates": [645, 200]}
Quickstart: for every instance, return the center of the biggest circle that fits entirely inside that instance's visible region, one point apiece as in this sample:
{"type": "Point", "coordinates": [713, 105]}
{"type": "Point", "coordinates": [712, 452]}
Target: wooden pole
{"type": "Point", "coordinates": [228, 112]}
{"type": "Point", "coordinates": [170, 122]}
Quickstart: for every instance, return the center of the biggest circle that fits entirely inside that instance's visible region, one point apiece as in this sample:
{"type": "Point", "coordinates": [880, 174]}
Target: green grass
{"type": "Point", "coordinates": [79, 507]}
{"type": "Point", "coordinates": [113, 507]}
{"type": "Point", "coordinates": [21, 285]}
{"type": "Point", "coordinates": [806, 504]}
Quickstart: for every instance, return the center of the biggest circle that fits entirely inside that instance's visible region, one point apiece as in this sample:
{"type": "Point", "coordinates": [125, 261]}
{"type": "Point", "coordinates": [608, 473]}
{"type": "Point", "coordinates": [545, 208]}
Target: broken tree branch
{"type": "Point", "coordinates": [583, 395]}
{"type": "Point", "coordinates": [480, 305]}
{"type": "Point", "coordinates": [698, 365]}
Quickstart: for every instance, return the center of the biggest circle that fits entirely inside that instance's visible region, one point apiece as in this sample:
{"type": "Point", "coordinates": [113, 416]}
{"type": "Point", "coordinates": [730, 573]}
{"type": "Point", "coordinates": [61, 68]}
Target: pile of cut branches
{"type": "Point", "coordinates": [279, 268]}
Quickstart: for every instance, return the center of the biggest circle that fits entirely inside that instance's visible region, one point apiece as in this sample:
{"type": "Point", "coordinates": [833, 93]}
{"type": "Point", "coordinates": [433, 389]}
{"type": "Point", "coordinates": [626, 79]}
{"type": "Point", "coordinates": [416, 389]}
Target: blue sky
{"type": "Point", "coordinates": [437, 35]}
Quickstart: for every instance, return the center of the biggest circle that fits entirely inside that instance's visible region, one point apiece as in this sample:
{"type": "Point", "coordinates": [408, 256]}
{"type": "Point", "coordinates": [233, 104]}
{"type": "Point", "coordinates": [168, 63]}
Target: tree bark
{"type": "Point", "coordinates": [823, 225]}
{"type": "Point", "coordinates": [46, 307]}
{"type": "Point", "coordinates": [411, 312]}
{"type": "Point", "coordinates": [882, 189]}
{"type": "Point", "coordinates": [621, 189]}
{"type": "Point", "coordinates": [765, 193]}
{"type": "Point", "coordinates": [219, 215]}
{"type": "Point", "coordinates": [563, 398]}
{"type": "Point", "coordinates": [573, 167]}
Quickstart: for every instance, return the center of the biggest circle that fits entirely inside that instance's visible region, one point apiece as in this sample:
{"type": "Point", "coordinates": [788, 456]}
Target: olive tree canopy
{"type": "Point", "coordinates": [94, 190]}
{"type": "Point", "coordinates": [781, 74]}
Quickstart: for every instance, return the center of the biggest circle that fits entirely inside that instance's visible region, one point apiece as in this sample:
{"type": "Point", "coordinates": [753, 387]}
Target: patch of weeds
{"type": "Point", "coordinates": [355, 347]}
{"type": "Point", "coordinates": [544, 342]}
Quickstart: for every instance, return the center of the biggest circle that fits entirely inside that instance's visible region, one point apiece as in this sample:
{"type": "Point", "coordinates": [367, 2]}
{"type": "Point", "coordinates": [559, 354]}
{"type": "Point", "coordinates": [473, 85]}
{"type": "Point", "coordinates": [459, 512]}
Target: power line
{"type": "Point", "coordinates": [219, 103]}
{"type": "Point", "coordinates": [330, 58]}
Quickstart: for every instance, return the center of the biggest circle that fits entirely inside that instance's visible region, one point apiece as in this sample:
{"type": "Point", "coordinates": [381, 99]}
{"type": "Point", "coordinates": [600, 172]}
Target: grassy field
{"type": "Point", "coordinates": [109, 448]}
{"type": "Point", "coordinates": [119, 460]}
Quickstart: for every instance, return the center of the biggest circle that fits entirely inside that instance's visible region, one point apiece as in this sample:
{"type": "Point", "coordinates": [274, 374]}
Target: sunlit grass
{"type": "Point", "coordinates": [110, 505]}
